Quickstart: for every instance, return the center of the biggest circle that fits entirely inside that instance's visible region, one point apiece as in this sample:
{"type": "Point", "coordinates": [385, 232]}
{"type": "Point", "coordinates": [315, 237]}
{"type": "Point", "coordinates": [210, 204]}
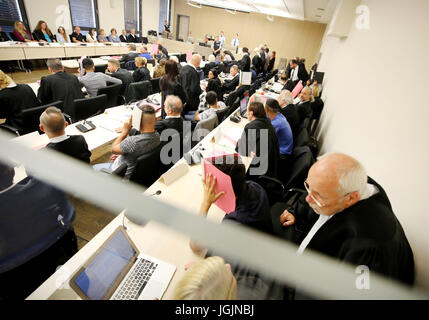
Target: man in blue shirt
{"type": "Point", "coordinates": [282, 127]}
{"type": "Point", "coordinates": [145, 53]}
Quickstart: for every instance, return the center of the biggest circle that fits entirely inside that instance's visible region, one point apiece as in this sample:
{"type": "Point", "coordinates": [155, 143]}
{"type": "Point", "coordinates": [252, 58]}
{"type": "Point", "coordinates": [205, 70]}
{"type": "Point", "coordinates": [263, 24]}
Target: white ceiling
{"type": "Point", "coordinates": [295, 9]}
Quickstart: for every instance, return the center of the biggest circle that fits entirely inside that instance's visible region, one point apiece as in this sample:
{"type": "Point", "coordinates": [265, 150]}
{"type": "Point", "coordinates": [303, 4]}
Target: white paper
{"type": "Point", "coordinates": [137, 118]}
{"type": "Point", "coordinates": [246, 78]}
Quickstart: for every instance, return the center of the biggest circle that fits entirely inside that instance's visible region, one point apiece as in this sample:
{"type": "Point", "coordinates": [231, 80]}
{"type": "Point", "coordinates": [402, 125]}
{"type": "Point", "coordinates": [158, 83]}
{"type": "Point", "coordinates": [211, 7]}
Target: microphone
{"type": "Point", "coordinates": [158, 193]}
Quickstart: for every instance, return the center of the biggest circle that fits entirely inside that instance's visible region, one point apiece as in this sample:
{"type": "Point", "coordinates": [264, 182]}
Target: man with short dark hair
{"type": "Point", "coordinates": [127, 149]}
{"type": "Point", "coordinates": [144, 53]}
{"type": "Point", "coordinates": [59, 86]}
{"type": "Point", "coordinates": [53, 123]}
{"type": "Point", "coordinates": [76, 36]}
{"type": "Point", "coordinates": [282, 127]}
{"type": "Point", "coordinates": [114, 67]}
{"type": "Point", "coordinates": [298, 72]}
{"type": "Point", "coordinates": [95, 80]}
{"type": "Point", "coordinates": [36, 234]}
{"type": "Point", "coordinates": [259, 140]}
{"type": "Point", "coordinates": [214, 106]}
{"type": "Point", "coordinates": [131, 55]}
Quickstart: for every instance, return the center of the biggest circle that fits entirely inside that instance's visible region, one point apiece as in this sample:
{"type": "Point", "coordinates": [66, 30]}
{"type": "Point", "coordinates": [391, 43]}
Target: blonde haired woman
{"type": "Point", "coordinates": [142, 73]}
{"type": "Point", "coordinates": [21, 33]}
{"type": "Point", "coordinates": [210, 279]}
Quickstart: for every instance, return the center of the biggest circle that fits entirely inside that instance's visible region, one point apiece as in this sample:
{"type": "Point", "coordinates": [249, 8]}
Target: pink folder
{"type": "Point", "coordinates": [154, 51]}
{"type": "Point", "coordinates": [297, 89]}
{"type": "Point", "coordinates": [188, 56]}
{"type": "Point", "coordinates": [223, 184]}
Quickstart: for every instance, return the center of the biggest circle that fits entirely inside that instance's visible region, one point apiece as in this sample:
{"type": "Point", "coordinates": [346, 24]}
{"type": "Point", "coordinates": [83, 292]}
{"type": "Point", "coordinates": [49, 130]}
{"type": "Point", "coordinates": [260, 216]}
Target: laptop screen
{"type": "Point", "coordinates": [104, 269]}
{"type": "Point", "coordinates": [243, 105]}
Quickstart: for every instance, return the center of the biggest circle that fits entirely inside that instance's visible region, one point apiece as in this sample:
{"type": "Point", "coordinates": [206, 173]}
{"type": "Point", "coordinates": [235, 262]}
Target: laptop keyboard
{"type": "Point", "coordinates": [136, 281]}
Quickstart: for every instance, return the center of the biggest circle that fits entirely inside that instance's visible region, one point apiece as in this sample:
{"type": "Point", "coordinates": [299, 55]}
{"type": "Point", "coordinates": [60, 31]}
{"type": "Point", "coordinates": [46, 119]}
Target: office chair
{"type": "Point", "coordinates": [101, 69]}
{"type": "Point", "coordinates": [152, 62]}
{"type": "Point", "coordinates": [155, 85]}
{"type": "Point", "coordinates": [203, 128]}
{"type": "Point", "coordinates": [302, 138]}
{"type": "Point", "coordinates": [221, 114]}
{"type": "Point", "coordinates": [112, 93]}
{"type": "Point", "coordinates": [147, 168]}
{"type": "Point", "coordinates": [88, 107]}
{"type": "Point", "coordinates": [31, 119]}
{"type": "Point", "coordinates": [138, 91]}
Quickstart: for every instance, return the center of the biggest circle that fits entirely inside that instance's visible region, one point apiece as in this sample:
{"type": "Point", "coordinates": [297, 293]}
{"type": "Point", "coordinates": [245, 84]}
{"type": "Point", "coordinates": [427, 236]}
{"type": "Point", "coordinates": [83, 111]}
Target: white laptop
{"type": "Point", "coordinates": [117, 271]}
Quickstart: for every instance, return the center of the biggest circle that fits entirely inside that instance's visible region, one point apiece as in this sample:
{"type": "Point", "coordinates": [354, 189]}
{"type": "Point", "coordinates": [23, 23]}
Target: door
{"type": "Point", "coordinates": [182, 30]}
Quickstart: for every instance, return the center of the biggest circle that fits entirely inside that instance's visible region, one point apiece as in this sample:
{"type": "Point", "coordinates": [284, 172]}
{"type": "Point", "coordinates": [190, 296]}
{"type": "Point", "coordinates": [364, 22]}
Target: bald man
{"type": "Point", "coordinates": [348, 216]}
{"type": "Point", "coordinates": [190, 81]}
{"type": "Point", "coordinates": [53, 123]}
{"type": "Point", "coordinates": [127, 149]}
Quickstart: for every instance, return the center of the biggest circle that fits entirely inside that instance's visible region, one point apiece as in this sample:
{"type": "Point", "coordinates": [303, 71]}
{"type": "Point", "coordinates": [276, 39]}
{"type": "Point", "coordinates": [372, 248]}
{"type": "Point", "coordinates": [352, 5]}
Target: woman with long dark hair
{"type": "Point", "coordinates": [170, 84]}
{"type": "Point", "coordinates": [43, 33]}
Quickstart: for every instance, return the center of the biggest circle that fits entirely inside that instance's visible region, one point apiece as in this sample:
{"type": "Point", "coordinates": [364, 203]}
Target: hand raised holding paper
{"type": "Point", "coordinates": [210, 195]}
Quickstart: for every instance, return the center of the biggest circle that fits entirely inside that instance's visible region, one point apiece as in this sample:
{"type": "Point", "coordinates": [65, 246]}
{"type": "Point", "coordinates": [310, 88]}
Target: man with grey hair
{"type": "Point", "coordinates": [53, 123]}
{"type": "Point", "coordinates": [288, 109]}
{"type": "Point", "coordinates": [173, 108]}
{"type": "Point", "coordinates": [59, 86]}
{"type": "Point", "coordinates": [346, 215]}
{"type": "Point", "coordinates": [304, 106]}
{"type": "Point", "coordinates": [190, 81]}
{"type": "Point", "coordinates": [230, 85]}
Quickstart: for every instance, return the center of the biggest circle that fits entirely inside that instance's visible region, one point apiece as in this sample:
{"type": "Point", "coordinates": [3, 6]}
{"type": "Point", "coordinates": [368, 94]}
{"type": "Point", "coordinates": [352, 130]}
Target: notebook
{"type": "Point", "coordinates": [118, 271]}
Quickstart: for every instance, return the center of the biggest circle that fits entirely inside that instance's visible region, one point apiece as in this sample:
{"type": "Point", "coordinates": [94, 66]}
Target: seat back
{"type": "Point", "coordinates": [138, 91]}
{"type": "Point", "coordinates": [301, 164]}
{"type": "Point", "coordinates": [204, 127]}
{"type": "Point", "coordinates": [31, 117]}
{"type": "Point", "coordinates": [155, 85]}
{"type": "Point", "coordinates": [152, 62]}
{"type": "Point", "coordinates": [88, 107]}
{"type": "Point", "coordinates": [112, 93]}
{"type": "Point", "coordinates": [302, 138]}
{"type": "Point", "coordinates": [147, 168]}
{"type": "Point", "coordinates": [221, 114]}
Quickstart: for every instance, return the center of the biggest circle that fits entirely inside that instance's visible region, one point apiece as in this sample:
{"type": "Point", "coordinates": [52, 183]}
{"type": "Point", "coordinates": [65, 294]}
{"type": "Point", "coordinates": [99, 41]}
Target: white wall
{"type": "Point", "coordinates": [55, 12]}
{"type": "Point", "coordinates": [150, 15]}
{"type": "Point", "coordinates": [376, 110]}
{"type": "Point", "coordinates": [111, 15]}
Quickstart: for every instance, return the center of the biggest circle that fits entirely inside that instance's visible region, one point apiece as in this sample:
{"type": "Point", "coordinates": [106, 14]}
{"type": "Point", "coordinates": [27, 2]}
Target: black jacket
{"type": "Point", "coordinates": [216, 86]}
{"type": "Point", "coordinates": [292, 116]}
{"type": "Point", "coordinates": [304, 110]}
{"type": "Point", "coordinates": [258, 63]}
{"type": "Point", "coordinates": [126, 78]}
{"type": "Point", "coordinates": [4, 37]}
{"type": "Point", "coordinates": [269, 157]}
{"type": "Point", "coordinates": [368, 233]}
{"type": "Point", "coordinates": [244, 63]}
{"type": "Point", "coordinates": [141, 74]}
{"type": "Point", "coordinates": [13, 101]}
{"type": "Point", "coordinates": [209, 66]}
{"type": "Point", "coordinates": [132, 39]}
{"type": "Point", "coordinates": [60, 86]}
{"type": "Point", "coordinates": [190, 81]}
{"type": "Point", "coordinates": [38, 34]}
{"type": "Point", "coordinates": [231, 85]}
{"type": "Point", "coordinates": [79, 37]}
{"type": "Point", "coordinates": [130, 56]}
{"type": "Point", "coordinates": [75, 147]}
{"type": "Point", "coordinates": [173, 88]}
{"type": "Point", "coordinates": [170, 123]}
{"type": "Point", "coordinates": [123, 38]}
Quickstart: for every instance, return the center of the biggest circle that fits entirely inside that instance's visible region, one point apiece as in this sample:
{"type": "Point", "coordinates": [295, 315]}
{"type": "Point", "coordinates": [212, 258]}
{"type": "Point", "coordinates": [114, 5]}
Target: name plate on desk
{"type": "Point", "coordinates": [174, 174]}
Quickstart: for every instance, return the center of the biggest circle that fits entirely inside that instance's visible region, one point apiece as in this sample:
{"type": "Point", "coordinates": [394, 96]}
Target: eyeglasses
{"type": "Point", "coordinates": [307, 187]}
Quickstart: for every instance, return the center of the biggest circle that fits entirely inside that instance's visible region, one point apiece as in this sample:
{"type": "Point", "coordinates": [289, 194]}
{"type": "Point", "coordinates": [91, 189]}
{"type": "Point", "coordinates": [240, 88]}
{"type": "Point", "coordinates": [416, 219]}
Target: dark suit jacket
{"type": "Point", "coordinates": [302, 74]}
{"type": "Point", "coordinates": [173, 88]}
{"type": "Point", "coordinates": [13, 101]}
{"type": "Point", "coordinates": [126, 78]}
{"type": "Point", "coordinates": [190, 81]}
{"type": "Point", "coordinates": [133, 39]}
{"type": "Point", "coordinates": [4, 37]}
{"type": "Point", "coordinates": [231, 85]}
{"type": "Point", "coordinates": [367, 233]}
{"type": "Point", "coordinates": [123, 38]}
{"type": "Point", "coordinates": [268, 158]}
{"type": "Point", "coordinates": [40, 36]}
{"type": "Point", "coordinates": [141, 74]}
{"type": "Point", "coordinates": [244, 63]}
{"type": "Point", "coordinates": [170, 123]}
{"type": "Point", "coordinates": [130, 56]}
{"type": "Point", "coordinates": [304, 110]}
{"type": "Point", "coordinates": [292, 116]}
{"type": "Point", "coordinates": [79, 37]}
{"type": "Point", "coordinates": [60, 86]}
{"type": "Point", "coordinates": [75, 147]}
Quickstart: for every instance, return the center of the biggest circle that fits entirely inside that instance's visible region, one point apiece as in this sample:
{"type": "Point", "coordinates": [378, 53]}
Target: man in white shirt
{"type": "Point", "coordinates": [235, 43]}
{"type": "Point", "coordinates": [222, 39]}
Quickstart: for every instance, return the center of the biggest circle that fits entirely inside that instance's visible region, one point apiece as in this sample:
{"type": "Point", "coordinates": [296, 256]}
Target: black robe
{"type": "Point", "coordinates": [368, 233]}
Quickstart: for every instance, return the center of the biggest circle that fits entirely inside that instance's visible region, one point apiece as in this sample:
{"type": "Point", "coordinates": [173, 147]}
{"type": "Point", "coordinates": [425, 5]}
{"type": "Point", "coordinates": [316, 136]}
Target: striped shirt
{"type": "Point", "coordinates": [96, 80]}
